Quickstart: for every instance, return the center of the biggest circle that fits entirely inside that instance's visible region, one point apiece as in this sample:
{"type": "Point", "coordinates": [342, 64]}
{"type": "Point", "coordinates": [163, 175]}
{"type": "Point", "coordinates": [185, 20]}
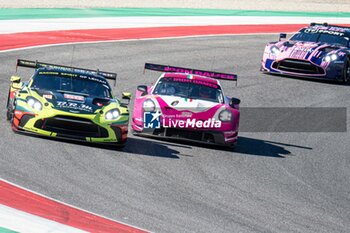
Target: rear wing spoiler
{"type": "Point", "coordinates": [210, 74]}
{"type": "Point", "coordinates": [37, 65]}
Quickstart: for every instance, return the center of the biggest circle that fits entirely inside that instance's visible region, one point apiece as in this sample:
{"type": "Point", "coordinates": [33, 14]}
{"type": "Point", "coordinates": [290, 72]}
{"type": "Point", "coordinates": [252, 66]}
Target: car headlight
{"type": "Point", "coordinates": [275, 50]}
{"type": "Point", "coordinates": [148, 106]}
{"type": "Point", "coordinates": [225, 115]}
{"type": "Point", "coordinates": [332, 57]}
{"type": "Point", "coordinates": [34, 103]}
{"type": "Point", "coordinates": [112, 114]}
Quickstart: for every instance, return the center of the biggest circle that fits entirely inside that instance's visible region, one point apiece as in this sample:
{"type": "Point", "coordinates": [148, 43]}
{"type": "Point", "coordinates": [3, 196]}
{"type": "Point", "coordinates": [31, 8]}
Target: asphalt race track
{"type": "Point", "coordinates": [272, 182]}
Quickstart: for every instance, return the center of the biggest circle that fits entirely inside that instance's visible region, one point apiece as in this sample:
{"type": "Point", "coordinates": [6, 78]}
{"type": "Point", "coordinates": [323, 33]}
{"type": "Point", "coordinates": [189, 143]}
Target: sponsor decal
{"type": "Point", "coordinates": [74, 106]}
{"type": "Point", "coordinates": [194, 81]}
{"type": "Point", "coordinates": [151, 120]}
{"type": "Point", "coordinates": [332, 28]}
{"type": "Point", "coordinates": [303, 49]}
{"type": "Point", "coordinates": [91, 78]}
{"type": "Point", "coordinates": [190, 71]}
{"type": "Point", "coordinates": [192, 123]}
{"type": "Point", "coordinates": [48, 73]}
{"type": "Point", "coordinates": [47, 96]}
{"type": "Point", "coordinates": [73, 75]}
{"type": "Point", "coordinates": [323, 31]}
{"type": "Point", "coordinates": [199, 72]}
{"type": "Point", "coordinates": [74, 97]}
{"type": "Point", "coordinates": [155, 121]}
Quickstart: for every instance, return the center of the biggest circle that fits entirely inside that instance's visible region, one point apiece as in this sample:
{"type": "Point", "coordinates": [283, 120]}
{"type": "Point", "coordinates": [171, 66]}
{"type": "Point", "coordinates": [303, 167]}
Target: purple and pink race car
{"type": "Point", "coordinates": [187, 104]}
{"type": "Point", "coordinates": [318, 51]}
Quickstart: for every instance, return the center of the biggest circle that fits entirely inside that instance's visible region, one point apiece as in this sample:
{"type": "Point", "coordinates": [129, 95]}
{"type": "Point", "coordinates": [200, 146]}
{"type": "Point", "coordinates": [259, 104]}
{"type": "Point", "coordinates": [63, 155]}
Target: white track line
{"type": "Point", "coordinates": [72, 206]}
{"type": "Point", "coordinates": [34, 25]}
{"type": "Point", "coordinates": [126, 40]}
{"type": "Point", "coordinates": [20, 221]}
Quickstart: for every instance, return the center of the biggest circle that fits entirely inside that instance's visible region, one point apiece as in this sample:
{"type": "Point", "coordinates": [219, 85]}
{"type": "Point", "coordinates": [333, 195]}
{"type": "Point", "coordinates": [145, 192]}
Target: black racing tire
{"type": "Point", "coordinates": [8, 98]}
{"type": "Point", "coordinates": [9, 107]}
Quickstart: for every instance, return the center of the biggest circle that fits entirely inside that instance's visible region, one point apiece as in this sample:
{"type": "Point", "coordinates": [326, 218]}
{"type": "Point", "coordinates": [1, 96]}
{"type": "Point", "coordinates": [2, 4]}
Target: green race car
{"type": "Point", "coordinates": [68, 102]}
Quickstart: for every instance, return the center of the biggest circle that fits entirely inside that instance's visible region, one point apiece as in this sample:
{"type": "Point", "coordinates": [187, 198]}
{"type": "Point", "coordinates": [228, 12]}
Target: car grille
{"type": "Point", "coordinates": [298, 66]}
{"type": "Point", "coordinates": [185, 134]}
{"type": "Point", "coordinates": [71, 127]}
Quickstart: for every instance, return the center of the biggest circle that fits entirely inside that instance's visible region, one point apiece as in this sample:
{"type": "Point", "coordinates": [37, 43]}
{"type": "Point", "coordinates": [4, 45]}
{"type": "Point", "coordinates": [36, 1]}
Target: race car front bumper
{"type": "Point", "coordinates": [70, 127]}
{"type": "Point", "coordinates": [212, 137]}
{"type": "Point", "coordinates": [303, 69]}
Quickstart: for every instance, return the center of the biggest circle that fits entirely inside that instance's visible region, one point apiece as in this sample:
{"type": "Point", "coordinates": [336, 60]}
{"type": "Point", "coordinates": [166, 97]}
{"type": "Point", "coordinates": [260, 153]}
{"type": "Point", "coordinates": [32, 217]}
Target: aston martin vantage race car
{"type": "Point", "coordinates": [318, 51]}
{"type": "Point", "coordinates": [187, 104]}
{"type": "Point", "coordinates": [67, 102]}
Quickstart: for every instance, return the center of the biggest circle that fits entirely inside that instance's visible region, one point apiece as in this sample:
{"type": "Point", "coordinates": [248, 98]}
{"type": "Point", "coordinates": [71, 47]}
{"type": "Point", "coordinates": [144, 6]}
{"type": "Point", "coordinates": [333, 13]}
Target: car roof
{"type": "Point", "coordinates": [193, 76]}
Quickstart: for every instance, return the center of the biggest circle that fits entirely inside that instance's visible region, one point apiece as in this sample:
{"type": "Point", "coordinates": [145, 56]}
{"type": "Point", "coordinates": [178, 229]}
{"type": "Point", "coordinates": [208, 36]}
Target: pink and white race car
{"type": "Point", "coordinates": [187, 104]}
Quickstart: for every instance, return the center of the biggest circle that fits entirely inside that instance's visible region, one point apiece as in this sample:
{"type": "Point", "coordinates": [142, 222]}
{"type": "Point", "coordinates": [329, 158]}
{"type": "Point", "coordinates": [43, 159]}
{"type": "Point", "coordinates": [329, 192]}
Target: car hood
{"type": "Point", "coordinates": [305, 50]}
{"type": "Point", "coordinates": [74, 103]}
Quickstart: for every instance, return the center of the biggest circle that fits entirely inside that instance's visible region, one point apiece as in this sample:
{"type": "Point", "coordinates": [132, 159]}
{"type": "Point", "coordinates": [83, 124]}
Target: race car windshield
{"type": "Point", "coordinates": [70, 84]}
{"type": "Point", "coordinates": [189, 89]}
{"type": "Point", "coordinates": [326, 37]}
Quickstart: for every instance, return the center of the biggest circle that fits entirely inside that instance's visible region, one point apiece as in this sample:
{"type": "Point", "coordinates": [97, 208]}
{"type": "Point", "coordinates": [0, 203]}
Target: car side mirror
{"type": "Point", "coordinates": [16, 82]}
{"type": "Point", "coordinates": [15, 79]}
{"type": "Point", "coordinates": [126, 96]}
{"type": "Point", "coordinates": [283, 36]}
{"type": "Point", "coordinates": [234, 102]}
{"type": "Point", "coordinates": [143, 89]}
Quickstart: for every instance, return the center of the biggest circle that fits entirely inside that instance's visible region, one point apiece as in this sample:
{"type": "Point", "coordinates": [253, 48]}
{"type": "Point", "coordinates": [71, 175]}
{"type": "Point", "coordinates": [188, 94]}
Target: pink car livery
{"type": "Point", "coordinates": [187, 104]}
{"type": "Point", "coordinates": [319, 51]}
